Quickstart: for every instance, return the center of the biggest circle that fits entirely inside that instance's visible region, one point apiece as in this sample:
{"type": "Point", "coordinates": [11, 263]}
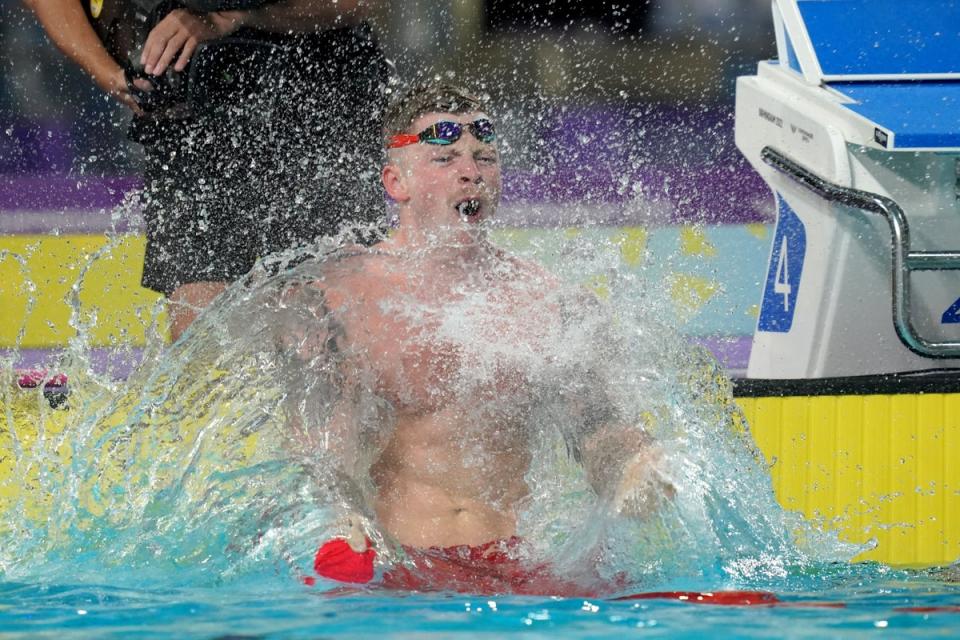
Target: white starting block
{"type": "Point", "coordinates": [856, 128]}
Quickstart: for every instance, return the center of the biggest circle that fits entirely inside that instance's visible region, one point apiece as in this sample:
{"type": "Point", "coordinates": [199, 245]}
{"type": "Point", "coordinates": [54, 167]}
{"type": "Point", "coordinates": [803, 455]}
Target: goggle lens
{"type": "Point", "coordinates": [443, 132]}
{"type": "Point", "coordinates": [483, 130]}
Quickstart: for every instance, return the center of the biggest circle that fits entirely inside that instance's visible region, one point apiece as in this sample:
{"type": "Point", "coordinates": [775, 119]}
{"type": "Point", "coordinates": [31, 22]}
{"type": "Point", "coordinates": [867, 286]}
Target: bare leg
{"type": "Point", "coordinates": [187, 301]}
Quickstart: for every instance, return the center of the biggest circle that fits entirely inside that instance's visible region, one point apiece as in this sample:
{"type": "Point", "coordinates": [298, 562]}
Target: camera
{"type": "Point", "coordinates": [217, 69]}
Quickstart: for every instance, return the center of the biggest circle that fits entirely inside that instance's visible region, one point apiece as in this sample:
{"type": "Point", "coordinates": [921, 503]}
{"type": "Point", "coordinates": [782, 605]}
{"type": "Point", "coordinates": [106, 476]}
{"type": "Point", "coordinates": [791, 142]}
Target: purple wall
{"type": "Point", "coordinates": [681, 156]}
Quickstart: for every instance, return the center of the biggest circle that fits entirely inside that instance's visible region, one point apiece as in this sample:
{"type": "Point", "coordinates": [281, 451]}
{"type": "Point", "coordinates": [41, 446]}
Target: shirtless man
{"type": "Point", "coordinates": [451, 332]}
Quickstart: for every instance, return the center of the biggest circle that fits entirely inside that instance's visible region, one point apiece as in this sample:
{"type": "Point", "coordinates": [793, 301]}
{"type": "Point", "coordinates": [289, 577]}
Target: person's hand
{"type": "Point", "coordinates": [114, 83]}
{"type": "Point", "coordinates": [356, 537]}
{"type": "Point", "coordinates": [226, 22]}
{"type": "Point", "coordinates": [346, 559]}
{"type": "Point", "coordinates": [642, 485]}
{"type": "Point", "coordinates": [178, 34]}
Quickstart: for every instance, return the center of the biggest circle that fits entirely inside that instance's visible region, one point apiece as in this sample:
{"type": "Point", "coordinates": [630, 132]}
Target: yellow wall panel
{"type": "Point", "coordinates": [871, 466]}
{"type": "Point", "coordinates": [38, 275]}
{"type": "Point", "coordinates": [951, 470]}
{"type": "Point", "coordinates": [929, 490]}
{"type": "Point", "coordinates": [848, 447]}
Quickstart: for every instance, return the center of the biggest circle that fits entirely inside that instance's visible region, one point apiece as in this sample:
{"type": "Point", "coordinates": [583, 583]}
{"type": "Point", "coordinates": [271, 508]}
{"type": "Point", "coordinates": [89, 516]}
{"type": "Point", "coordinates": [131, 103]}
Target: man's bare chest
{"type": "Point", "coordinates": [428, 351]}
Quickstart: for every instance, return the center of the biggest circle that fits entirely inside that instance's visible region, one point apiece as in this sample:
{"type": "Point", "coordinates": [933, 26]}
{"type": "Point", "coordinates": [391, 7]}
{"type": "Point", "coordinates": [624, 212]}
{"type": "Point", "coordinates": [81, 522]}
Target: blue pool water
{"type": "Point", "coordinates": [875, 601]}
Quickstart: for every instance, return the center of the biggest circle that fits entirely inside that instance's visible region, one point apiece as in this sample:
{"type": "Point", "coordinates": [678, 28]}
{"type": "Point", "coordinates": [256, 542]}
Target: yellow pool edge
{"type": "Point", "coordinates": [872, 466]}
{"type": "Point", "coordinates": [869, 466]}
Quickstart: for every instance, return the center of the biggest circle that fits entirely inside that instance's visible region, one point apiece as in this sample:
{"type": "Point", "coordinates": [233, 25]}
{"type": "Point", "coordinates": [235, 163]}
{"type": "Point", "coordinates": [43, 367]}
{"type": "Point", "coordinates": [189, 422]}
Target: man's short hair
{"type": "Point", "coordinates": [424, 98]}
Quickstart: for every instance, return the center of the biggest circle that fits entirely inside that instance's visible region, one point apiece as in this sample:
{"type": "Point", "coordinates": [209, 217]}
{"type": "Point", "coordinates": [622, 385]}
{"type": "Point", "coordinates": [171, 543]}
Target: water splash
{"type": "Point", "coordinates": [214, 459]}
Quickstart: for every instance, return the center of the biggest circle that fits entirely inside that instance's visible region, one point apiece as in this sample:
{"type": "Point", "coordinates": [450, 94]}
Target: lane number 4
{"type": "Point", "coordinates": [781, 282]}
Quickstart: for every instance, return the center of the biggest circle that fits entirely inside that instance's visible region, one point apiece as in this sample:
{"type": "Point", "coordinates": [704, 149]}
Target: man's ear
{"type": "Point", "coordinates": [394, 183]}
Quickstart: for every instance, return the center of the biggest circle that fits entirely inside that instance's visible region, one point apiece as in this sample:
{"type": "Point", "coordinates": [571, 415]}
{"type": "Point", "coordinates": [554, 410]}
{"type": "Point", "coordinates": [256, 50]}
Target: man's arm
{"type": "Point", "coordinates": [623, 464]}
{"type": "Point", "coordinates": [67, 26]}
{"type": "Point", "coordinates": [621, 459]}
{"type": "Point", "coordinates": [311, 344]}
{"type": "Point", "coordinates": [181, 31]}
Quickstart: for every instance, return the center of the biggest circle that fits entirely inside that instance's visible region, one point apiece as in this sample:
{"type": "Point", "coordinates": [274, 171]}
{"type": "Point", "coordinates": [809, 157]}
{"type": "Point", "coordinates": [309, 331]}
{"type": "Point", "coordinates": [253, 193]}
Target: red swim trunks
{"type": "Point", "coordinates": [491, 568]}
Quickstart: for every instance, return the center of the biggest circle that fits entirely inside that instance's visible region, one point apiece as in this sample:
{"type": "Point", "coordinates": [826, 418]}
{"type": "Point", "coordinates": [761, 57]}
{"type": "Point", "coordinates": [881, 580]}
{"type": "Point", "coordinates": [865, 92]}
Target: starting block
{"type": "Point", "coordinates": [853, 384]}
{"type": "Point", "coordinates": [856, 128]}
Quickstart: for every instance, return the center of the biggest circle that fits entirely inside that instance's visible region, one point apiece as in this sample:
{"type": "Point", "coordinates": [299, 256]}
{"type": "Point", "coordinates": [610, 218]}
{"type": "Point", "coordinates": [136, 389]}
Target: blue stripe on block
{"type": "Point", "coordinates": [920, 114]}
{"type": "Point", "coordinates": [792, 61]}
{"type": "Point", "coordinates": [870, 37]}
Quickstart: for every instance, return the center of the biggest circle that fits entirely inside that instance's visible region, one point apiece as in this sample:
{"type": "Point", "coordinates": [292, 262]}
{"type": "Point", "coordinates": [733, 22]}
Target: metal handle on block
{"type": "Point", "coordinates": [904, 261]}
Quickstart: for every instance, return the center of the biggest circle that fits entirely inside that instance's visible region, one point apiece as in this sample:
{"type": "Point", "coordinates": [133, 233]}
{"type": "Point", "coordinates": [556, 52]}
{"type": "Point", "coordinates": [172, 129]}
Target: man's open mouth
{"type": "Point", "coordinates": [469, 207]}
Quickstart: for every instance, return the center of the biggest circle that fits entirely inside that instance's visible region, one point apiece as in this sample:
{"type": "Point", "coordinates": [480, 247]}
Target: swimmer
{"type": "Point", "coordinates": [449, 477]}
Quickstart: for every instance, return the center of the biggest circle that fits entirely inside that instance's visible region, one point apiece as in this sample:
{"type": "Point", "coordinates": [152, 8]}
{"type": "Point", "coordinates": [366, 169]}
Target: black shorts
{"type": "Point", "coordinates": [263, 173]}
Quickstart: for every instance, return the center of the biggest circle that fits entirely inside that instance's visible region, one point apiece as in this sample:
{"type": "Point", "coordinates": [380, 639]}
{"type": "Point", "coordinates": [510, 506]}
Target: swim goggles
{"type": "Point", "coordinates": [446, 132]}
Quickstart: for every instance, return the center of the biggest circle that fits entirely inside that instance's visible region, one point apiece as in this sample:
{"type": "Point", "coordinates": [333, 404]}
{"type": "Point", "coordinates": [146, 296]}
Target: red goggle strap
{"type": "Point", "coordinates": [402, 140]}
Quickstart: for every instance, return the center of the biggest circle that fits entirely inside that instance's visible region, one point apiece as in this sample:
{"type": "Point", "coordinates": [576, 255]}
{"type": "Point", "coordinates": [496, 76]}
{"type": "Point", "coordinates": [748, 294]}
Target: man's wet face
{"type": "Point", "coordinates": [453, 182]}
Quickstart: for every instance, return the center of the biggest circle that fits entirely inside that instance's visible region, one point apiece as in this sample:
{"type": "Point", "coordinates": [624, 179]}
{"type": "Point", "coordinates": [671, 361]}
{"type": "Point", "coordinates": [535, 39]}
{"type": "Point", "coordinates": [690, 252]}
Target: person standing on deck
{"type": "Point", "coordinates": [255, 122]}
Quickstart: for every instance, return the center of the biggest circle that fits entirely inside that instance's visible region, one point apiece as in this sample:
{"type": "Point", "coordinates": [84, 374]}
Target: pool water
{"type": "Point", "coordinates": [846, 602]}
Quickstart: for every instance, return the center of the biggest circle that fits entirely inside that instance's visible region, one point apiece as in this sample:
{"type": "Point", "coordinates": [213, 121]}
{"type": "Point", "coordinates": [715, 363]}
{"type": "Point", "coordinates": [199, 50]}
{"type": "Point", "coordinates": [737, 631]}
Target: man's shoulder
{"type": "Point", "coordinates": [356, 270]}
{"type": "Point", "coordinates": [346, 263]}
